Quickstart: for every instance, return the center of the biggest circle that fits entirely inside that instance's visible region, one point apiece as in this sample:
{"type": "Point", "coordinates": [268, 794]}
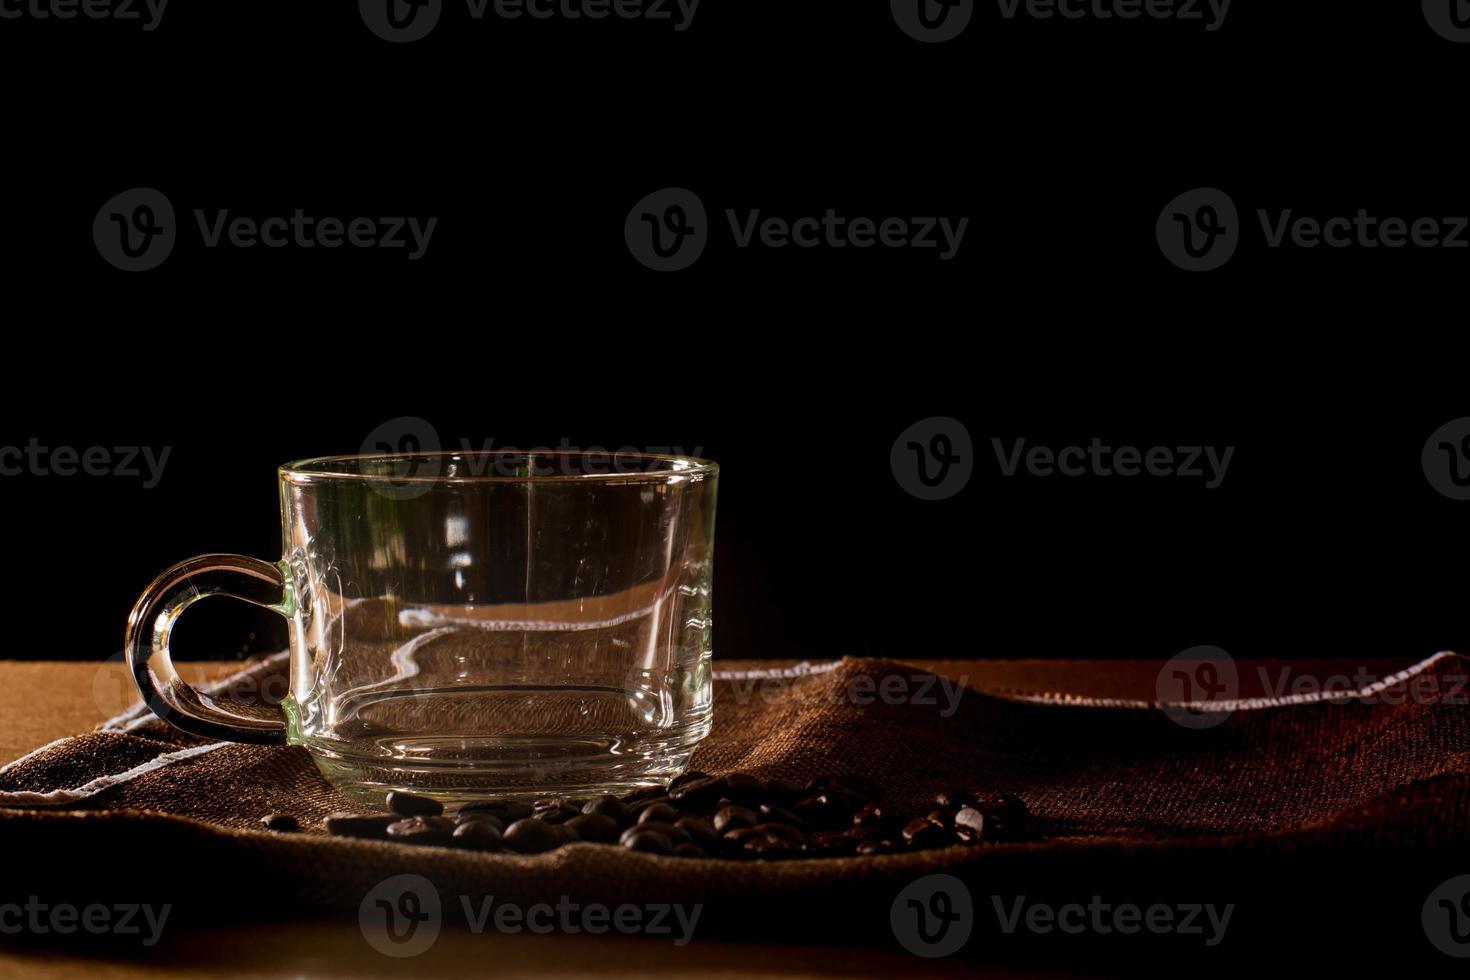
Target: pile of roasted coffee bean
{"type": "Point", "coordinates": [737, 816]}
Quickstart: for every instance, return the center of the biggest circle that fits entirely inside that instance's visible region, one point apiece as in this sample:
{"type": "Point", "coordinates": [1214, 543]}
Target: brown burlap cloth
{"type": "Point", "coordinates": [1116, 788]}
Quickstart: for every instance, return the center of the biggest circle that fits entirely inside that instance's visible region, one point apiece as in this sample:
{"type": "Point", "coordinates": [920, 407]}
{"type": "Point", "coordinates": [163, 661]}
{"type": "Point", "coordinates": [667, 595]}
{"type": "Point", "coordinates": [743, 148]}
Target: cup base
{"type": "Point", "coordinates": [366, 781]}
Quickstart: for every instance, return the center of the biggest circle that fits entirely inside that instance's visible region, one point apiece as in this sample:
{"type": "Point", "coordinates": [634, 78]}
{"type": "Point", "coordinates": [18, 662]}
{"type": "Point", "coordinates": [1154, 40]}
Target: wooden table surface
{"type": "Point", "coordinates": [44, 700]}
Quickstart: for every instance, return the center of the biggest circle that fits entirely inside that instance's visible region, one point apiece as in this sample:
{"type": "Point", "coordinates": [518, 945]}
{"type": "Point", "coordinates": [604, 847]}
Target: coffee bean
{"type": "Point", "coordinates": [435, 831]}
{"type": "Point", "coordinates": [599, 828]}
{"type": "Point", "coordinates": [607, 806]}
{"type": "Point", "coordinates": [565, 833]}
{"type": "Point", "coordinates": [779, 815]}
{"type": "Point", "coordinates": [745, 789]}
{"type": "Point", "coordinates": [480, 816]}
{"type": "Point", "coordinates": [971, 824]}
{"type": "Point", "coordinates": [530, 836]}
{"type": "Point", "coordinates": [699, 830]}
{"type": "Point", "coordinates": [880, 846]}
{"type": "Point", "coordinates": [689, 851]}
{"type": "Point", "coordinates": [411, 805]}
{"type": "Point", "coordinates": [645, 794]}
{"type": "Point", "coordinates": [1006, 807]}
{"type": "Point", "coordinates": [649, 841]}
{"type": "Point", "coordinates": [478, 835]}
{"type": "Point", "coordinates": [693, 775]}
{"type": "Point", "coordinates": [369, 826]}
{"type": "Point", "coordinates": [506, 811]}
{"type": "Point", "coordinates": [735, 818]}
{"type": "Point", "coordinates": [954, 798]}
{"type": "Point", "coordinates": [555, 812]}
{"type": "Point", "coordinates": [676, 834]}
{"type": "Point", "coordinates": [769, 848]}
{"type": "Point", "coordinates": [833, 843]}
{"type": "Point", "coordinates": [782, 830]}
{"type": "Point", "coordinates": [873, 817]}
{"type": "Point", "coordinates": [943, 817]}
{"type": "Point", "coordinates": [831, 809]}
{"type": "Point", "coordinates": [701, 794]}
{"type": "Point", "coordinates": [283, 822]}
{"type": "Point", "coordinates": [921, 832]}
{"type": "Point", "coordinates": [659, 813]}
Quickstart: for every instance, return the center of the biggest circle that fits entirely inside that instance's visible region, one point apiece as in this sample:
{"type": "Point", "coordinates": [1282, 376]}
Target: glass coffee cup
{"type": "Point", "coordinates": [470, 626]}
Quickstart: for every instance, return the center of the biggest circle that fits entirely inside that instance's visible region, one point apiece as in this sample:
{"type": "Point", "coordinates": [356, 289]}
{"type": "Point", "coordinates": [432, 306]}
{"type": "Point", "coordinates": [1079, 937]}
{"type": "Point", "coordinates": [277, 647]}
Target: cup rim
{"type": "Point", "coordinates": [319, 469]}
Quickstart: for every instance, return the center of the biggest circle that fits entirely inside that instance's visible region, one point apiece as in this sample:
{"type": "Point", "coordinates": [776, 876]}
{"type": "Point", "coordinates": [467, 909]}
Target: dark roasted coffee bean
{"type": "Point", "coordinates": [1006, 807]}
{"type": "Point", "coordinates": [689, 851]}
{"type": "Point", "coordinates": [699, 795]}
{"type": "Point", "coordinates": [769, 848]}
{"type": "Point", "coordinates": [607, 806]}
{"type": "Point", "coordinates": [412, 805]}
{"type": "Point", "coordinates": [971, 825]}
{"type": "Point", "coordinates": [879, 846]}
{"type": "Point", "coordinates": [645, 794]}
{"type": "Point", "coordinates": [370, 826]}
{"type": "Point", "coordinates": [782, 830]}
{"type": "Point", "coordinates": [636, 809]}
{"type": "Point", "coordinates": [954, 798]}
{"type": "Point", "coordinates": [943, 817]}
{"type": "Point", "coordinates": [781, 792]}
{"type": "Point", "coordinates": [693, 775]}
{"type": "Point", "coordinates": [743, 788]}
{"type": "Point", "coordinates": [599, 828]}
{"type": "Point", "coordinates": [565, 833]}
{"type": "Point", "coordinates": [779, 815]}
{"type": "Point", "coordinates": [506, 811]}
{"type": "Point", "coordinates": [434, 831]}
{"type": "Point", "coordinates": [659, 813]}
{"type": "Point", "coordinates": [873, 816]}
{"type": "Point", "coordinates": [480, 816]}
{"type": "Point", "coordinates": [833, 843]}
{"type": "Point", "coordinates": [742, 834]}
{"type": "Point", "coordinates": [700, 830]}
{"type": "Point", "coordinates": [649, 841]}
{"type": "Point", "coordinates": [283, 822]}
{"type": "Point", "coordinates": [478, 835]}
{"type": "Point", "coordinates": [829, 810]}
{"type": "Point", "coordinates": [531, 836]}
{"type": "Point", "coordinates": [922, 832]}
{"type": "Point", "coordinates": [676, 834]}
{"type": "Point", "coordinates": [555, 813]}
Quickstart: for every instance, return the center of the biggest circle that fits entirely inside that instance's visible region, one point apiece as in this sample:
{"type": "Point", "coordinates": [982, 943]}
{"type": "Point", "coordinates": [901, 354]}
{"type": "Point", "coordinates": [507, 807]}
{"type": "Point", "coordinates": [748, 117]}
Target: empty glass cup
{"type": "Point", "coordinates": [469, 626]}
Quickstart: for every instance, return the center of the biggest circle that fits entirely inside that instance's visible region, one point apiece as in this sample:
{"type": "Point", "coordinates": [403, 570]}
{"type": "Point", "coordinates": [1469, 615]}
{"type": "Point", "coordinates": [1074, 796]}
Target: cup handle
{"type": "Point", "coordinates": [158, 608]}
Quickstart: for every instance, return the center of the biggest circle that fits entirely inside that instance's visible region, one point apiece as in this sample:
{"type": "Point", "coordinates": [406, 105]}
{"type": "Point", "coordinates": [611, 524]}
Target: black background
{"type": "Point", "coordinates": [529, 323]}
